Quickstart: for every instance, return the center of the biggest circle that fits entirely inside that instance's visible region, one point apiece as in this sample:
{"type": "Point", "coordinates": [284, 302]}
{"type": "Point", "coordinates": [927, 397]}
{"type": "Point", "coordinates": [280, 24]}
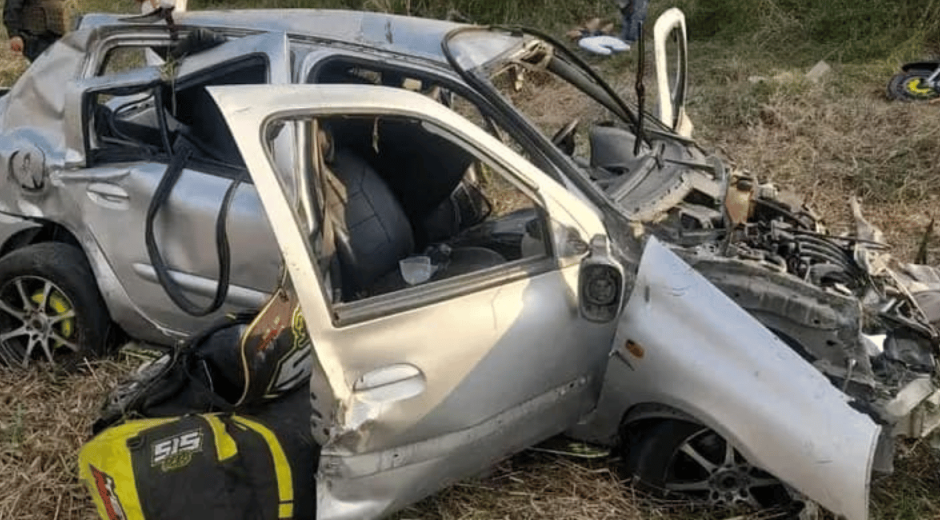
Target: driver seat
{"type": "Point", "coordinates": [371, 231]}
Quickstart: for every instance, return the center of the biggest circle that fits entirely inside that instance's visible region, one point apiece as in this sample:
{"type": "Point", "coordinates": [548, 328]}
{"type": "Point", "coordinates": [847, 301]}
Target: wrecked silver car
{"type": "Point", "coordinates": [490, 247]}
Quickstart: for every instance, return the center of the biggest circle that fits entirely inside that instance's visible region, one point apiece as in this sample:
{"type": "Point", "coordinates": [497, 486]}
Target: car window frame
{"type": "Point", "coordinates": [92, 70]}
{"type": "Point", "coordinates": [314, 62]}
{"type": "Point", "coordinates": [345, 314]}
{"type": "Point", "coordinates": [115, 37]}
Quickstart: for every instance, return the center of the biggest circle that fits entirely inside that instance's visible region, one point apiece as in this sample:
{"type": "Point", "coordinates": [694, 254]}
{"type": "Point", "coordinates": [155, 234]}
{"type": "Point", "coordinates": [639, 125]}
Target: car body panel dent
{"type": "Point", "coordinates": [32, 106]}
{"type": "Point", "coordinates": [394, 33]}
{"type": "Point", "coordinates": [721, 366]}
{"type": "Point", "coordinates": [444, 413]}
{"type": "Point", "coordinates": [398, 416]}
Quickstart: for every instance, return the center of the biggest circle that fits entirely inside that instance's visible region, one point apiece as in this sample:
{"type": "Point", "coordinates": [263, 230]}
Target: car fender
{"type": "Point", "coordinates": [11, 226]}
{"type": "Point", "coordinates": [682, 343]}
{"type": "Point", "coordinates": [16, 232]}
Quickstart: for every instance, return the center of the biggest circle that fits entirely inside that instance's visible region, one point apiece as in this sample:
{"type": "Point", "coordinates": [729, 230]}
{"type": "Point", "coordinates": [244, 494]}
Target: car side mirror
{"type": "Point", "coordinates": [672, 78]}
{"type": "Point", "coordinates": [600, 283]}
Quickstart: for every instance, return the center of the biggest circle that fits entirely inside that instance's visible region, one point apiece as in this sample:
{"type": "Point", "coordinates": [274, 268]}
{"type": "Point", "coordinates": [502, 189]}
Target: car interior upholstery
{"type": "Point", "coordinates": [371, 224]}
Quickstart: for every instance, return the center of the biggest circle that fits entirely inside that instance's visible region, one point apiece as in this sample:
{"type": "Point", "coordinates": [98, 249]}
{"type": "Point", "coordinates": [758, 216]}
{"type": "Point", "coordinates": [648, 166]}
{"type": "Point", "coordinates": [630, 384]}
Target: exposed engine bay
{"type": "Point", "coordinates": [863, 318]}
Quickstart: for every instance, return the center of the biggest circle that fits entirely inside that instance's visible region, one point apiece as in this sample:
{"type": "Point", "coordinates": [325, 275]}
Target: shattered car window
{"type": "Point", "coordinates": [149, 119]}
{"type": "Point", "coordinates": [552, 104]}
{"type": "Point", "coordinates": [572, 108]}
{"type": "Point", "coordinates": [863, 319]}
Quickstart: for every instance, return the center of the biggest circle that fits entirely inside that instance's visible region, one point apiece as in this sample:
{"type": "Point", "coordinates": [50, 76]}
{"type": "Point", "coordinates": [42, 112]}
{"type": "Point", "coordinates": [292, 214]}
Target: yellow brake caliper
{"type": "Point", "coordinates": [60, 305]}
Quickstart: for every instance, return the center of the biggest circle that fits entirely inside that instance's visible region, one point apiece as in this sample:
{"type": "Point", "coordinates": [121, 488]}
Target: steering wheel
{"type": "Point", "coordinates": [564, 138]}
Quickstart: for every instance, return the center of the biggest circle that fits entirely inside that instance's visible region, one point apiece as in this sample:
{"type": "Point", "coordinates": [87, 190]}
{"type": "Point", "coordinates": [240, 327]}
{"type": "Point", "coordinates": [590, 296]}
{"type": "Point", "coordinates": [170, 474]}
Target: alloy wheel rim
{"type": "Point", "coordinates": [708, 470]}
{"type": "Point", "coordinates": [36, 319]}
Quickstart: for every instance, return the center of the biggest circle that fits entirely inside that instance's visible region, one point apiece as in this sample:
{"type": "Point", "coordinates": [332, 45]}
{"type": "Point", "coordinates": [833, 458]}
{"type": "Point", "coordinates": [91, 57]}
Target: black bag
{"type": "Point", "coordinates": [206, 466]}
{"type": "Point", "coordinates": [236, 364]}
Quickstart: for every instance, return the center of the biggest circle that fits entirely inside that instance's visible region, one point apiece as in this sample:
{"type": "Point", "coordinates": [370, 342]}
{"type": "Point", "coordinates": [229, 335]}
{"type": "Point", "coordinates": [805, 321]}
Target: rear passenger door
{"type": "Point", "coordinates": [128, 153]}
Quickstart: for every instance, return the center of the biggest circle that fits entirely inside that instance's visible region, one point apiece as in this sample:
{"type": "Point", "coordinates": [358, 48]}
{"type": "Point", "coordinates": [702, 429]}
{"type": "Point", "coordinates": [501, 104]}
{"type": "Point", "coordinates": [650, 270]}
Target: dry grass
{"type": "Point", "coordinates": [532, 486]}
{"type": "Point", "coordinates": [827, 141]}
{"type": "Point", "coordinates": [11, 65]}
{"type": "Point", "coordinates": [44, 419]}
{"type": "Point", "coordinates": [909, 493]}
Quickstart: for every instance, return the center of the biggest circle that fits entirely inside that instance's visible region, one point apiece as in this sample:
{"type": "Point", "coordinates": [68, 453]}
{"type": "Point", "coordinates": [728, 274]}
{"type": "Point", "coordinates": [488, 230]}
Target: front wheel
{"type": "Point", "coordinates": [912, 85]}
{"type": "Point", "coordinates": [689, 461]}
{"type": "Point", "coordinates": [50, 307]}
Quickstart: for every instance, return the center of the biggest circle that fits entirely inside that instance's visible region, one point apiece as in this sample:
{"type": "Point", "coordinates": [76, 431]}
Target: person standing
{"type": "Point", "coordinates": [634, 14]}
{"type": "Point", "coordinates": [34, 25]}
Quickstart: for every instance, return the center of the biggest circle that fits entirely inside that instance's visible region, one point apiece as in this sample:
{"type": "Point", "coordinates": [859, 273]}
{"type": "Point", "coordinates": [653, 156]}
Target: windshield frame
{"type": "Point", "coordinates": [478, 78]}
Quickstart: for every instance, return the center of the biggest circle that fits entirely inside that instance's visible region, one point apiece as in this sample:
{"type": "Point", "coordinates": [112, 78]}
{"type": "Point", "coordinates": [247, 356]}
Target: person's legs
{"type": "Point", "coordinates": [634, 14]}
{"type": "Point", "coordinates": [34, 46]}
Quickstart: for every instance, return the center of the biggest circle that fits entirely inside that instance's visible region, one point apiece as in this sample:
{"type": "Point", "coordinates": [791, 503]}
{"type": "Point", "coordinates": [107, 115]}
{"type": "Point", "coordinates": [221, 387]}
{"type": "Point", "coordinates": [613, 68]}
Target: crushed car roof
{"type": "Point", "coordinates": [393, 33]}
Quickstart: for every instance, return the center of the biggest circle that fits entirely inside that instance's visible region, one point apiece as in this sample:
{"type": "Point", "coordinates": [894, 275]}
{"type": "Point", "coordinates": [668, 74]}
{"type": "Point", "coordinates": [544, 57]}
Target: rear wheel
{"type": "Point", "coordinates": [686, 460]}
{"type": "Point", "coordinates": [912, 85]}
{"type": "Point", "coordinates": [50, 307]}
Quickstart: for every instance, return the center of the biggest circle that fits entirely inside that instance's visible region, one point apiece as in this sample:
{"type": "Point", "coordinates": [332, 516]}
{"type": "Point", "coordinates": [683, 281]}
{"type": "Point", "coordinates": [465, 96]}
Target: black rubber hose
{"type": "Point", "coordinates": [823, 243]}
{"type": "Point", "coordinates": [828, 252]}
{"type": "Point", "coordinates": [170, 286]}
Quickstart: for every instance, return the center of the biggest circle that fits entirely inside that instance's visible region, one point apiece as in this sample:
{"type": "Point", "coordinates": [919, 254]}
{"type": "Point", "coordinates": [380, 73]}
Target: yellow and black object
{"type": "Point", "coordinates": [215, 465]}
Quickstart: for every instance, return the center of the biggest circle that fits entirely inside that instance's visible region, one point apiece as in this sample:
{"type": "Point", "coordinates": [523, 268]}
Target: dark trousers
{"type": "Point", "coordinates": [33, 46]}
{"type": "Point", "coordinates": [634, 14]}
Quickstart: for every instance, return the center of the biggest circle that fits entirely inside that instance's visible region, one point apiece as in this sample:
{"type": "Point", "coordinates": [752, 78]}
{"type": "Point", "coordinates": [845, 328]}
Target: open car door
{"type": "Point", "coordinates": [419, 385]}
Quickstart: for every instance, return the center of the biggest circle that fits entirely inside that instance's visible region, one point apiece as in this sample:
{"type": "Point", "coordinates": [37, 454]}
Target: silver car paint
{"type": "Point", "coordinates": [411, 415]}
{"type": "Point", "coordinates": [11, 225]}
{"type": "Point", "coordinates": [439, 416]}
{"type": "Point", "coordinates": [718, 364]}
{"type": "Point", "coordinates": [408, 36]}
{"type": "Point", "coordinates": [52, 123]}
{"type": "Point", "coordinates": [111, 199]}
{"type": "Point", "coordinates": [37, 114]}
{"type": "Point", "coordinates": [190, 211]}
{"type": "Point", "coordinates": [44, 118]}
{"type": "Point", "coordinates": [50, 120]}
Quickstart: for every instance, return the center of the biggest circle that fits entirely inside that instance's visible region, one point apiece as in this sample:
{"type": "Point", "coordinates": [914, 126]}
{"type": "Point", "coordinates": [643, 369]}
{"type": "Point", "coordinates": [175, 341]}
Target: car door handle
{"type": "Point", "coordinates": [109, 195]}
{"type": "Point", "coordinates": [390, 383]}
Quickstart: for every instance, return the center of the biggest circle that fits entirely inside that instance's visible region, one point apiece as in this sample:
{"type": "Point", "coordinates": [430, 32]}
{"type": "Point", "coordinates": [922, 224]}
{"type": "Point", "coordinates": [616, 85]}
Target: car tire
{"type": "Point", "coordinates": [685, 460]}
{"type": "Point", "coordinates": [910, 85]}
{"type": "Point", "coordinates": [50, 307]}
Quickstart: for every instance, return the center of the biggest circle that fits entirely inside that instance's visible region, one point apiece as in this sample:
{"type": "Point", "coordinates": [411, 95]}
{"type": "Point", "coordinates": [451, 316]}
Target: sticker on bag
{"type": "Point", "coordinates": [107, 491]}
{"type": "Point", "coordinates": [177, 451]}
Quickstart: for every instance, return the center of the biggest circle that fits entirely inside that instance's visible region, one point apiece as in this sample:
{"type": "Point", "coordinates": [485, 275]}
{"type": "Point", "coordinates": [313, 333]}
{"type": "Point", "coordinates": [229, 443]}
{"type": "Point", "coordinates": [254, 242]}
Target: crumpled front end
{"type": "Point", "coordinates": [859, 316]}
{"type": "Point", "coordinates": [683, 344]}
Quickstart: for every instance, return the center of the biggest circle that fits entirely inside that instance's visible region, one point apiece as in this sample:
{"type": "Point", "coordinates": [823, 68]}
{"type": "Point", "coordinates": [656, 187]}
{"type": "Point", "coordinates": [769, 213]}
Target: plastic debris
{"type": "Point", "coordinates": [604, 45]}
